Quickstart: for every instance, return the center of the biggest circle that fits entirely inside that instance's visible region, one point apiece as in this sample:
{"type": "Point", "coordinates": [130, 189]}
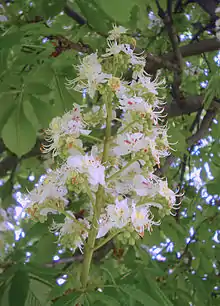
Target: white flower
{"type": "Point", "coordinates": [130, 142]}
{"type": "Point", "coordinates": [90, 75]}
{"type": "Point", "coordinates": [124, 184]}
{"type": "Point", "coordinates": [145, 187]}
{"type": "Point", "coordinates": [72, 233]}
{"type": "Point", "coordinates": [118, 213]}
{"type": "Point", "coordinates": [104, 226]}
{"type": "Point", "coordinates": [167, 193]}
{"type": "Point", "coordinates": [113, 49]}
{"type": "Point", "coordinates": [146, 81]}
{"type": "Point", "coordinates": [142, 219]}
{"type": "Point", "coordinates": [89, 165]}
{"type": "Point", "coordinates": [49, 195]}
{"type": "Point", "coordinates": [48, 191]}
{"type": "Point", "coordinates": [116, 32]}
{"type": "Point", "coordinates": [65, 129]}
{"type": "Point", "coordinates": [72, 123]}
{"type": "Point", "coordinates": [133, 104]}
{"type": "Point", "coordinates": [123, 90]}
{"type": "Point", "coordinates": [117, 216]}
{"type": "Point", "coordinates": [138, 60]}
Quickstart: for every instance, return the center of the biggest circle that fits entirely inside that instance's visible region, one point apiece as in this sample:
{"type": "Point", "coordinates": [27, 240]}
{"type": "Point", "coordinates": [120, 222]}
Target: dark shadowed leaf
{"type": "Point", "coordinates": [19, 288]}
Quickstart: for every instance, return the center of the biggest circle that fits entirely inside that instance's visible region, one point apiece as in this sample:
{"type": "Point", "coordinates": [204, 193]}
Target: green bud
{"type": "Point", "coordinates": [127, 234]}
{"type": "Point", "coordinates": [131, 241]}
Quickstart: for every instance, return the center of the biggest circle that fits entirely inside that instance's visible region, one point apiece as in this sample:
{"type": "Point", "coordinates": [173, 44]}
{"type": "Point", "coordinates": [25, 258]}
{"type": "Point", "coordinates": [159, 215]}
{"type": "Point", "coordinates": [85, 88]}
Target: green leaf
{"type": "Point", "coordinates": [7, 105]}
{"type": "Point", "coordinates": [43, 110]}
{"type": "Point", "coordinates": [3, 61]}
{"type": "Point", "coordinates": [30, 113]}
{"type": "Point", "coordinates": [195, 263]}
{"type": "Point", "coordinates": [37, 88]}
{"type": "Point", "coordinates": [18, 133]}
{"type": "Point", "coordinates": [38, 294]}
{"type": "Point", "coordinates": [63, 100]}
{"type": "Point", "coordinates": [155, 290]}
{"type": "Point", "coordinates": [103, 298]}
{"type": "Point", "coordinates": [138, 295]}
{"type": "Point", "coordinates": [45, 249]}
{"type": "Point", "coordinates": [68, 300]}
{"type": "Point", "coordinates": [9, 40]}
{"type": "Point", "coordinates": [52, 8]}
{"type": "Point", "coordinates": [178, 139]}
{"type": "Point", "coordinates": [19, 288]}
{"type": "Point", "coordinates": [213, 187]}
{"type": "Point", "coordinates": [94, 15]}
{"type": "Point", "coordinates": [118, 10]}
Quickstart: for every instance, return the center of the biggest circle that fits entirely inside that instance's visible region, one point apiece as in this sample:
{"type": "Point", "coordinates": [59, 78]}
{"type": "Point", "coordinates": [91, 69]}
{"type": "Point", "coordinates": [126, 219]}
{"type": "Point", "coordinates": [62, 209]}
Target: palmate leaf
{"type": "Point", "coordinates": [63, 99]}
{"type": "Point", "coordinates": [7, 104]}
{"type": "Point", "coordinates": [11, 39]}
{"type": "Point", "coordinates": [43, 110]}
{"type": "Point", "coordinates": [18, 133]}
{"type": "Point", "coordinates": [138, 295]}
{"type": "Point", "coordinates": [38, 294]}
{"type": "Point", "coordinates": [69, 300]}
{"type": "Point", "coordinates": [45, 249]}
{"type": "Point", "coordinates": [156, 292]}
{"type": "Point", "coordinates": [118, 10]}
{"type": "Point", "coordinates": [19, 288]}
{"type": "Point", "coordinates": [100, 298]}
{"type": "Point", "coordinates": [95, 15]}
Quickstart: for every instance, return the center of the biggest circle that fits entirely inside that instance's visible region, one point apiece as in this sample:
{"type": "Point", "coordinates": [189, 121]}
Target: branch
{"type": "Point", "coordinates": [178, 56]}
{"type": "Point", "coordinates": [202, 131]}
{"type": "Point", "coordinates": [205, 125]}
{"type": "Point", "coordinates": [208, 219]}
{"type": "Point", "coordinates": [66, 44]}
{"type": "Point", "coordinates": [74, 15]}
{"type": "Point", "coordinates": [189, 105]}
{"type": "Point", "coordinates": [196, 48]}
{"type": "Point", "coordinates": [98, 255]}
{"type": "Point", "coordinates": [157, 61]}
{"type": "Point", "coordinates": [208, 6]}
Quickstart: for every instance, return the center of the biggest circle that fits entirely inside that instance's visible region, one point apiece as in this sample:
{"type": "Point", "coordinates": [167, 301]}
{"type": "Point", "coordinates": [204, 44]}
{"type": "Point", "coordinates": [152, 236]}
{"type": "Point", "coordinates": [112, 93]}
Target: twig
{"type": "Point", "coordinates": [204, 128]}
{"type": "Point", "coordinates": [195, 233]}
{"type": "Point", "coordinates": [168, 22]}
{"type": "Point", "coordinates": [74, 15]}
{"type": "Point", "coordinates": [98, 255]}
{"type": "Point", "coordinates": [205, 125]}
{"type": "Point", "coordinates": [66, 44]}
{"type": "Point", "coordinates": [196, 48]}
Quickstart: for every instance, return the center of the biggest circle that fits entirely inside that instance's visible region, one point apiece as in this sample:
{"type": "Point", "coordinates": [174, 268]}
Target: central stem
{"type": "Point", "coordinates": [89, 247]}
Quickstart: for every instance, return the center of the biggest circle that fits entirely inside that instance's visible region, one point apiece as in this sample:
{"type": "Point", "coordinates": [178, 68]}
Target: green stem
{"type": "Point", "coordinates": [127, 126]}
{"type": "Point", "coordinates": [91, 137]}
{"type": "Point", "coordinates": [116, 174]}
{"type": "Point", "coordinates": [107, 239]}
{"type": "Point", "coordinates": [89, 247]}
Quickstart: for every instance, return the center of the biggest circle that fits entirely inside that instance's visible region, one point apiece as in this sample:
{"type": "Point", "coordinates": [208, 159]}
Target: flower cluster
{"type": "Point", "coordinates": [62, 136]}
{"type": "Point", "coordinates": [115, 175]}
{"type": "Point", "coordinates": [217, 23]}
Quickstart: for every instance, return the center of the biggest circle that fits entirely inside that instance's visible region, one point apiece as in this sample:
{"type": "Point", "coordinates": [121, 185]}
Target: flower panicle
{"type": "Point", "coordinates": [134, 199]}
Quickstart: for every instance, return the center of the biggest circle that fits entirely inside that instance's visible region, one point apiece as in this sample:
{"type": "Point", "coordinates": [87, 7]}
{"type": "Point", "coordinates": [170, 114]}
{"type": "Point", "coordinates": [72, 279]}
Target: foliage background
{"type": "Point", "coordinates": [40, 43]}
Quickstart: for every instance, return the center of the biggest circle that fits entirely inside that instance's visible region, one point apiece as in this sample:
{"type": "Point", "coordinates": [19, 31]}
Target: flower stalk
{"type": "Point", "coordinates": [89, 247]}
